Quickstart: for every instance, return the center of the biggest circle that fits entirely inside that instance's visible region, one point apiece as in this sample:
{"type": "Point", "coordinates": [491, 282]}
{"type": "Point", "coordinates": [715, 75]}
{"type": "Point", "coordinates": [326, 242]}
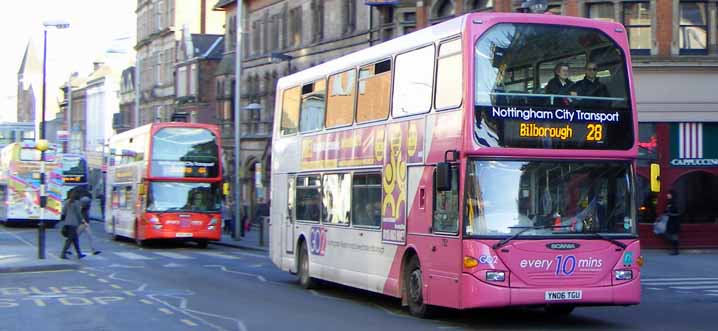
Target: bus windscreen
{"type": "Point", "coordinates": [551, 86]}
{"type": "Point", "coordinates": [183, 197]}
{"type": "Point", "coordinates": [554, 199]}
{"type": "Point", "coordinates": [74, 169]}
{"type": "Point", "coordinates": [184, 153]}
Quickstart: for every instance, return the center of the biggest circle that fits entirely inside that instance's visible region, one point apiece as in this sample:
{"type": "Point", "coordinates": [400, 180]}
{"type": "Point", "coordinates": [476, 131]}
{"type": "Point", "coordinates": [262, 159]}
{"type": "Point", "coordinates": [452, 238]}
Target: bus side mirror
{"type": "Point", "coordinates": [655, 177]}
{"type": "Point", "coordinates": [443, 177]}
{"type": "Point", "coordinates": [225, 189]}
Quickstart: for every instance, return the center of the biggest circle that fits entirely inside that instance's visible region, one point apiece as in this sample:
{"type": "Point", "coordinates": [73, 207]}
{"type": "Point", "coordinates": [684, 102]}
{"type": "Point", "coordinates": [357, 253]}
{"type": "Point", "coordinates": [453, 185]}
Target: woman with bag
{"type": "Point", "coordinates": [72, 215]}
{"type": "Point", "coordinates": [673, 227]}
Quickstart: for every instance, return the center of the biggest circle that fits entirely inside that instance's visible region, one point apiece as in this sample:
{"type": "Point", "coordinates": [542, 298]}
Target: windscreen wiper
{"type": "Point", "coordinates": [523, 230]}
{"type": "Point", "coordinates": [614, 241]}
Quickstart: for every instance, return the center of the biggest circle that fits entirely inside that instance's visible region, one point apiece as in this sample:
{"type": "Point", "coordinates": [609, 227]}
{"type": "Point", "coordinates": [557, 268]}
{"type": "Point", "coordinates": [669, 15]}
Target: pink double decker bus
{"type": "Point", "coordinates": [488, 161]}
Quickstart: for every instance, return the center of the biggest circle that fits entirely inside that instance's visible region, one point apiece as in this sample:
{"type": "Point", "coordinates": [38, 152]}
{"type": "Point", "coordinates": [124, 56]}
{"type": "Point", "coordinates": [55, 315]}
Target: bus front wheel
{"type": "Point", "coordinates": [414, 290]}
{"type": "Point", "coordinates": [305, 280]}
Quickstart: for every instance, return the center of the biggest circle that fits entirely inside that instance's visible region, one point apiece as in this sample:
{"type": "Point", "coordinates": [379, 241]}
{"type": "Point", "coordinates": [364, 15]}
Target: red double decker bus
{"type": "Point", "coordinates": [164, 181]}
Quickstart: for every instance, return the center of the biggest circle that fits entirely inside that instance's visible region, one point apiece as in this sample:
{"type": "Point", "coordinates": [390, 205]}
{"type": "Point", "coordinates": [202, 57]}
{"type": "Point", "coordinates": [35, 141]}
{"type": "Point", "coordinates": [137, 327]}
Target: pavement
{"type": "Point", "coordinates": [20, 255]}
{"type": "Point", "coordinates": [250, 241]}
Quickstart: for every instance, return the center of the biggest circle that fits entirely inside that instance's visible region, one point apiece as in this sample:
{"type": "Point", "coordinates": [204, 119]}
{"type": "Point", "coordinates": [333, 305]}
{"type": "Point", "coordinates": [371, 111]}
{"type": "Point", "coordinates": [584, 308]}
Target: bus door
{"type": "Point", "coordinates": [287, 216]}
{"type": "Point", "coordinates": [445, 260]}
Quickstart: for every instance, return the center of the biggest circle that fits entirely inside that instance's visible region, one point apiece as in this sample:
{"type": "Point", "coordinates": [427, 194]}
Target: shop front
{"type": "Point", "coordinates": [687, 153]}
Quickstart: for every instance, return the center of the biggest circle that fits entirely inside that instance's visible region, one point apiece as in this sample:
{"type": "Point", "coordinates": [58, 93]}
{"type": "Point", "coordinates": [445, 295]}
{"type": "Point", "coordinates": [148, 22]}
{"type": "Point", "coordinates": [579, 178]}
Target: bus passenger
{"type": "Point", "coordinates": [590, 86]}
{"type": "Point", "coordinates": [560, 83]}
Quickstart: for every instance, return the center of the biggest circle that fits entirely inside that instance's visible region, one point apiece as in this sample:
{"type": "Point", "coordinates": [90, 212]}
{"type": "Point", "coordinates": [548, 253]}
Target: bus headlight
{"type": "Point", "coordinates": [157, 226]}
{"type": "Point", "coordinates": [213, 221]}
{"type": "Point", "coordinates": [623, 274]}
{"type": "Point", "coordinates": [495, 276]}
{"type": "Point", "coordinates": [154, 220]}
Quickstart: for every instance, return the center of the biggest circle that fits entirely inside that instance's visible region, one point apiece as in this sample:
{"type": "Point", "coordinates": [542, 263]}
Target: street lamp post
{"type": "Point", "coordinates": [42, 144]}
{"type": "Point", "coordinates": [237, 121]}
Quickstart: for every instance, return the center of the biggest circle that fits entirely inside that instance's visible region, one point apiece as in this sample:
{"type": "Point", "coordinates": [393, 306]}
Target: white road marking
{"type": "Point", "coordinates": [682, 283]}
{"type": "Point", "coordinates": [220, 255]}
{"type": "Point", "coordinates": [648, 280]}
{"type": "Point", "coordinates": [188, 322]}
{"type": "Point", "coordinates": [173, 255]}
{"type": "Point", "coordinates": [223, 268]}
{"type": "Point", "coordinates": [705, 287]}
{"type": "Point", "coordinates": [132, 256]}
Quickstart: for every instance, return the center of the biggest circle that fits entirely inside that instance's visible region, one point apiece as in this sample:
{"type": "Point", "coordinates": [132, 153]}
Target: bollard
{"type": "Point", "coordinates": [41, 240]}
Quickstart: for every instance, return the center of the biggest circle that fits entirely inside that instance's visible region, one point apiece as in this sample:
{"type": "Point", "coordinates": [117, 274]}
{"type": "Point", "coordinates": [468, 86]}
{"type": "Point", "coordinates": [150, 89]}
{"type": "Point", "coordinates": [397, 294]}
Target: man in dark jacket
{"type": "Point", "coordinates": [590, 86]}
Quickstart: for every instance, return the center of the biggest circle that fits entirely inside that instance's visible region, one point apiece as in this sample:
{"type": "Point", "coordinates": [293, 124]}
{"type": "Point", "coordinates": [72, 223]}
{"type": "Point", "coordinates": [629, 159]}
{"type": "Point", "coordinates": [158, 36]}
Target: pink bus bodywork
{"type": "Point", "coordinates": [446, 281]}
{"type": "Point", "coordinates": [538, 272]}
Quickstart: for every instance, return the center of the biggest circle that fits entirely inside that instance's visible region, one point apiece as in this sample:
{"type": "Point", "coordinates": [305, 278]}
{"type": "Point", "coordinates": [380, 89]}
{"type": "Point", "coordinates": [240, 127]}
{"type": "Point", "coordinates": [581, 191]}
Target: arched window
{"type": "Point", "coordinates": [444, 8]}
{"type": "Point", "coordinates": [478, 5]}
{"type": "Point", "coordinates": [696, 196]}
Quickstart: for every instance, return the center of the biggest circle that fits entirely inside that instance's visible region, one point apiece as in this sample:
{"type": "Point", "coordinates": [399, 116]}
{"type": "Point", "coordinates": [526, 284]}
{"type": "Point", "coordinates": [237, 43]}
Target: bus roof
{"type": "Point", "coordinates": [430, 34]}
{"type": "Point", "coordinates": [149, 127]}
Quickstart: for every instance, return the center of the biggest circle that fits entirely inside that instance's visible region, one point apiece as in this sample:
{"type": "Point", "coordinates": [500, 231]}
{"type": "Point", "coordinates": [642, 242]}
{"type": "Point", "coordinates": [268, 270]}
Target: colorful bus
{"type": "Point", "coordinates": [164, 182]}
{"type": "Point", "coordinates": [74, 172]}
{"type": "Point", "coordinates": [487, 161]}
{"type": "Point", "coordinates": [20, 178]}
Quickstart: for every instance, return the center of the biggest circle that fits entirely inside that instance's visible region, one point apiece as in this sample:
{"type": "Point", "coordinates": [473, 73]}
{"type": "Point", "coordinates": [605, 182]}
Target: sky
{"type": "Point", "coordinates": [95, 27]}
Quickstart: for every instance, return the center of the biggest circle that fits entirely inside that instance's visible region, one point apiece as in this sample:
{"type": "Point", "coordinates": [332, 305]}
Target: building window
{"type": "Point", "coordinates": [193, 80]}
{"type": "Point", "coordinates": [444, 9]}
{"type": "Point", "coordinates": [408, 22]}
{"type": "Point", "coordinates": [693, 31]}
{"type": "Point", "coordinates": [311, 114]}
{"type": "Point", "coordinates": [256, 35]}
{"type": "Point", "coordinates": [317, 20]}
{"type": "Point", "coordinates": [554, 9]}
{"type": "Point", "coordinates": [295, 27]}
{"type": "Point", "coordinates": [231, 32]}
{"type": "Point", "coordinates": [478, 5]}
{"type": "Point", "coordinates": [181, 81]}
{"type": "Point", "coordinates": [274, 33]}
{"type": "Point", "coordinates": [340, 102]}
{"type": "Point", "coordinates": [647, 144]}
{"type": "Point", "coordinates": [637, 20]}
{"type": "Point", "coordinates": [373, 92]}
{"type": "Point", "coordinates": [601, 11]}
{"type": "Point", "coordinates": [350, 15]}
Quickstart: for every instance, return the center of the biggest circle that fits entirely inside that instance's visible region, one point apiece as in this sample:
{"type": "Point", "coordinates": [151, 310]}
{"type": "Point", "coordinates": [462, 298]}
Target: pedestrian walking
{"type": "Point", "coordinates": [673, 228]}
{"type": "Point", "coordinates": [84, 227]}
{"type": "Point", "coordinates": [72, 216]}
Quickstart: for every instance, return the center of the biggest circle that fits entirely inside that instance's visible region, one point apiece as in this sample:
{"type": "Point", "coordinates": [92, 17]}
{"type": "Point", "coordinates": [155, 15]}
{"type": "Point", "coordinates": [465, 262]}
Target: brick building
{"type": "Point", "coordinates": [198, 56]}
{"type": "Point", "coordinates": [159, 27]}
{"type": "Point", "coordinates": [125, 118]}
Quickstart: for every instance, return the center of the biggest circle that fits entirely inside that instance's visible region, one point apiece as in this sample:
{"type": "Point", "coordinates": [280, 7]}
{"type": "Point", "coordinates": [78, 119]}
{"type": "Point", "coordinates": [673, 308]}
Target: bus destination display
{"type": "Point", "coordinates": [554, 128]}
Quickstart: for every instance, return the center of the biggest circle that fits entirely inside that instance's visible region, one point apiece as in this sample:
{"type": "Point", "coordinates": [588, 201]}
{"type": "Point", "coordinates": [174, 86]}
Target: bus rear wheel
{"type": "Point", "coordinates": [305, 280]}
{"type": "Point", "coordinates": [414, 290]}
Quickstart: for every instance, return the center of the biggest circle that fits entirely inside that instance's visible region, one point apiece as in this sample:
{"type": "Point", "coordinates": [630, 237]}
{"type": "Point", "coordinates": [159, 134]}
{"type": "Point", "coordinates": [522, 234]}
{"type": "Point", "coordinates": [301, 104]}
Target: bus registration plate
{"type": "Point", "coordinates": [183, 234]}
{"type": "Point", "coordinates": [563, 295]}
